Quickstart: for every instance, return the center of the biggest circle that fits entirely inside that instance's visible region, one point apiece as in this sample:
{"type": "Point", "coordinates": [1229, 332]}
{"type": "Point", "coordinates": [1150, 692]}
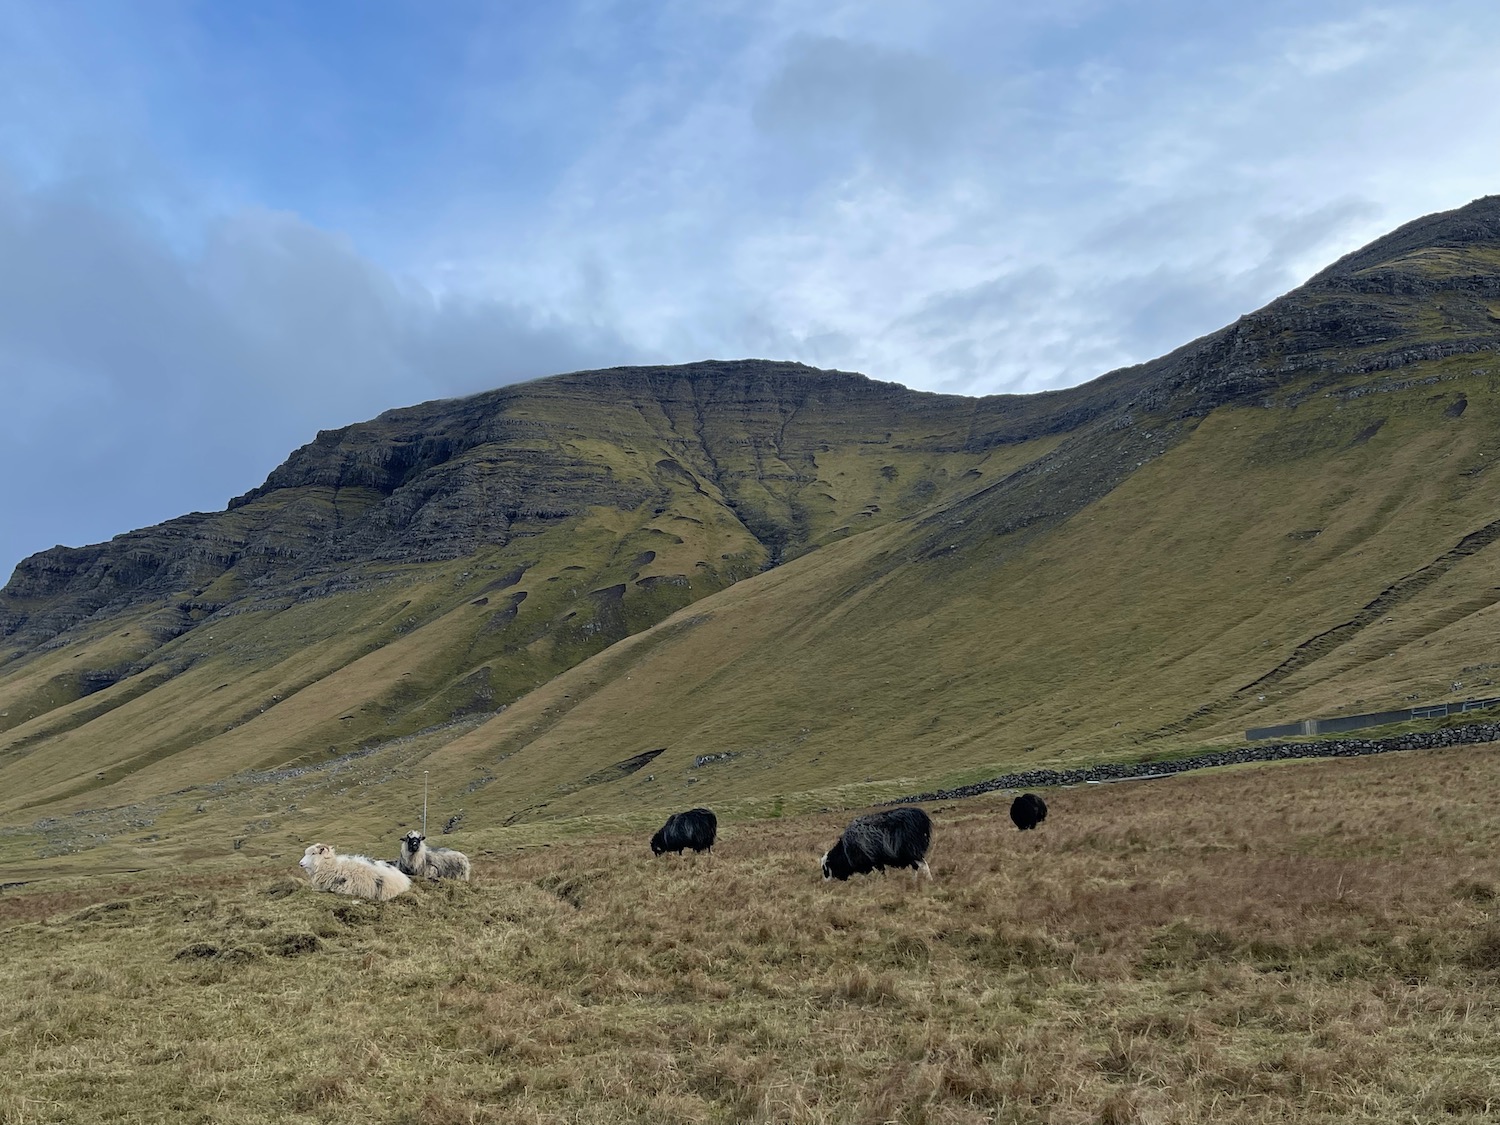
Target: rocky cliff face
{"type": "Point", "coordinates": [440, 480]}
{"type": "Point", "coordinates": [444, 479]}
{"type": "Point", "coordinates": [1422, 292]}
{"type": "Point", "coordinates": [443, 561]}
{"type": "Point", "coordinates": [1427, 291]}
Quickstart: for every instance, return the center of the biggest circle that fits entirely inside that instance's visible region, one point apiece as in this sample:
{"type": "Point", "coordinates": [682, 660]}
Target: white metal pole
{"type": "Point", "coordinates": [424, 802]}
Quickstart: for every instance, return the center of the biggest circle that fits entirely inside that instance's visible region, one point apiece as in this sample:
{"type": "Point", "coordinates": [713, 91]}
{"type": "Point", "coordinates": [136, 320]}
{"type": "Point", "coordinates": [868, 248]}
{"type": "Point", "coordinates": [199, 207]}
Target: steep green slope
{"type": "Point", "coordinates": [761, 585]}
{"type": "Point", "coordinates": [1226, 584]}
{"type": "Point", "coordinates": [441, 561]}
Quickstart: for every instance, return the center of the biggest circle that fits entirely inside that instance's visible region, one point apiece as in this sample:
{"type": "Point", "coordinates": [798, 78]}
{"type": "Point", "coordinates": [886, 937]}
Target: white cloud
{"type": "Point", "coordinates": [971, 196]}
{"type": "Point", "coordinates": [140, 383]}
{"type": "Point", "coordinates": [850, 200]}
{"type": "Point", "coordinates": [901, 108]}
{"type": "Point", "coordinates": [1331, 47]}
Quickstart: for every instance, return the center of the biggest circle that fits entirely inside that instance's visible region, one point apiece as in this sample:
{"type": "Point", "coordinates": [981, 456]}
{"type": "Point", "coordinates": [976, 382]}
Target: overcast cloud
{"type": "Point", "coordinates": [224, 227]}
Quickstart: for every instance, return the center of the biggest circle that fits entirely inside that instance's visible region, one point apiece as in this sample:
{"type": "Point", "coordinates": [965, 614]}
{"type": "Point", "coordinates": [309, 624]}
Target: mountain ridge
{"type": "Point", "coordinates": [802, 575]}
{"type": "Point", "coordinates": [1237, 350]}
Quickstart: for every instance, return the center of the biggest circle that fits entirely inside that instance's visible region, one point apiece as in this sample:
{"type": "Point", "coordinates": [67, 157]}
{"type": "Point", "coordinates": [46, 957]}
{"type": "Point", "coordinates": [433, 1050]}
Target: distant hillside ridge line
{"type": "Point", "coordinates": [412, 485]}
{"type": "Point", "coordinates": [1244, 755]}
{"type": "Point", "coordinates": [541, 579]}
{"type": "Point", "coordinates": [451, 478]}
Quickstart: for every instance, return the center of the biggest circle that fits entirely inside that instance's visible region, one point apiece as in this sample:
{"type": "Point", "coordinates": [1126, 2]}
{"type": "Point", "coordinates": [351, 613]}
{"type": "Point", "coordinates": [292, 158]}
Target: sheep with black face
{"type": "Point", "coordinates": [894, 838]}
{"type": "Point", "coordinates": [421, 862]}
{"type": "Point", "coordinates": [696, 829]}
{"type": "Point", "coordinates": [1027, 811]}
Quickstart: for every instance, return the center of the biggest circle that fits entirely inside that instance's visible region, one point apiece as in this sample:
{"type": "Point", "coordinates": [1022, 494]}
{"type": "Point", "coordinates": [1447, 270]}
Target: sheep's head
{"type": "Point", "coordinates": [313, 854]}
{"type": "Point", "coordinates": [411, 843]}
{"type": "Point", "coordinates": [836, 863]}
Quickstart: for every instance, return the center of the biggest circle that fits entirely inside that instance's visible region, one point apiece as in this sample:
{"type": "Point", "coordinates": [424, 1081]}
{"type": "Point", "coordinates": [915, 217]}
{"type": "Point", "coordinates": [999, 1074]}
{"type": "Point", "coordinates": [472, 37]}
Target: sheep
{"type": "Point", "coordinates": [696, 829]}
{"type": "Point", "coordinates": [1027, 811]}
{"type": "Point", "coordinates": [420, 861]}
{"type": "Point", "coordinates": [894, 838]}
{"type": "Point", "coordinates": [354, 875]}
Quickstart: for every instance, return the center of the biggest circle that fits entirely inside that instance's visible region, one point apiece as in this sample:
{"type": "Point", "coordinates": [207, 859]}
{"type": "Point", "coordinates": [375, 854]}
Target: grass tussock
{"type": "Point", "coordinates": [1183, 951]}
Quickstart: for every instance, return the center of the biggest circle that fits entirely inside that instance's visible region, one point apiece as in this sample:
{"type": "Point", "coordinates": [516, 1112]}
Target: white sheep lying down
{"type": "Point", "coordinates": [421, 862]}
{"type": "Point", "coordinates": [355, 875]}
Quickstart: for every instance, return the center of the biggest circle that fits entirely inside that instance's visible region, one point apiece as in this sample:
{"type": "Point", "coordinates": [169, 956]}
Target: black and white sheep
{"type": "Point", "coordinates": [355, 875]}
{"type": "Point", "coordinates": [421, 862]}
{"type": "Point", "coordinates": [894, 838]}
{"type": "Point", "coordinates": [1027, 811]}
{"type": "Point", "coordinates": [696, 829]}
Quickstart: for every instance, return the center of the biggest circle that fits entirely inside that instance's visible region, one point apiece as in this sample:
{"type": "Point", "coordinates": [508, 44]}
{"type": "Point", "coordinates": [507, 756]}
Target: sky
{"type": "Point", "coordinates": [226, 226]}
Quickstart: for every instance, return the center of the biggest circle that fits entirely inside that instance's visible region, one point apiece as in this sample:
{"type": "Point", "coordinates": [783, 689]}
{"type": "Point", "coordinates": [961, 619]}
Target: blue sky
{"type": "Point", "coordinates": [226, 226]}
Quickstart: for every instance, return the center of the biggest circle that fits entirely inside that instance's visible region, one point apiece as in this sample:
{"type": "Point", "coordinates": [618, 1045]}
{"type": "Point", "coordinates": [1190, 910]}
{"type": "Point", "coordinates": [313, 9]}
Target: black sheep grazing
{"type": "Point", "coordinates": [696, 829]}
{"type": "Point", "coordinates": [1027, 811]}
{"type": "Point", "coordinates": [895, 838]}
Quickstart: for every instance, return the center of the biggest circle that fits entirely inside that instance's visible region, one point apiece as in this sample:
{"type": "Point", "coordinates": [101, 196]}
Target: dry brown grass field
{"type": "Point", "coordinates": [1314, 942]}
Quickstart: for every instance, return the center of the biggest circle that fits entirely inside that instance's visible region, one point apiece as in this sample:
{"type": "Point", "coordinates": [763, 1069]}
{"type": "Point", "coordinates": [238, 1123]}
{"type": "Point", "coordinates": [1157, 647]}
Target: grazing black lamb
{"type": "Point", "coordinates": [696, 829]}
{"type": "Point", "coordinates": [895, 838]}
{"type": "Point", "coordinates": [1027, 811]}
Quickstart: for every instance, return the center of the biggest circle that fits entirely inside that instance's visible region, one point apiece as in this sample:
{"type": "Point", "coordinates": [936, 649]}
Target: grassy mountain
{"type": "Point", "coordinates": [558, 598]}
